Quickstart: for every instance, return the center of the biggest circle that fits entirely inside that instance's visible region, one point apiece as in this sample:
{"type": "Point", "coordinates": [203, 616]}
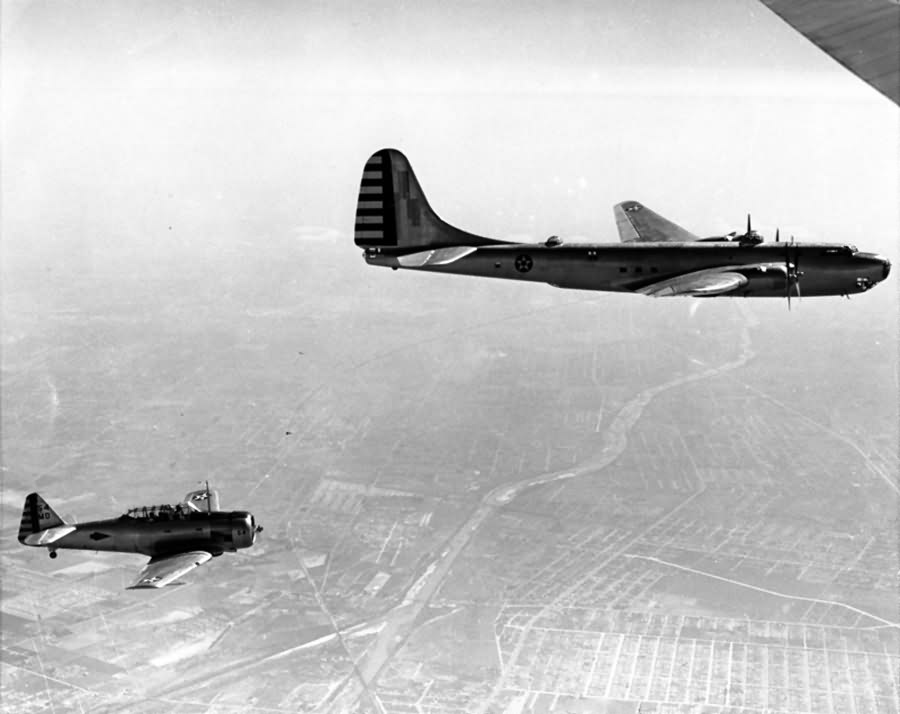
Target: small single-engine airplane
{"type": "Point", "coordinates": [177, 538]}
{"type": "Point", "coordinates": [397, 228]}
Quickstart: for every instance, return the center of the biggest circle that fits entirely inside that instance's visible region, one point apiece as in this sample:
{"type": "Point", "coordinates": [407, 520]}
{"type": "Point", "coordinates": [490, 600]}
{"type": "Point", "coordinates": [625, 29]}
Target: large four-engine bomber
{"type": "Point", "coordinates": [397, 228]}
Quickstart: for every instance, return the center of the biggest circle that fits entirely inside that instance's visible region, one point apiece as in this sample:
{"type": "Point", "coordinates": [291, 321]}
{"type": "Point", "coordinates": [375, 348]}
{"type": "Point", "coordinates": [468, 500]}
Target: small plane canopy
{"type": "Point", "coordinates": [201, 501]}
{"type": "Point", "coordinates": [162, 512]}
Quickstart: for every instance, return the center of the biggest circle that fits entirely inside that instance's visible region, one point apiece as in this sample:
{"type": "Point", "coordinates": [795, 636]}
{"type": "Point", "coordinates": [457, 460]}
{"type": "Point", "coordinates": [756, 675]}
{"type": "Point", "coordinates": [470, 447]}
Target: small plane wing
{"type": "Point", "coordinates": [162, 570]}
{"type": "Point", "coordinates": [637, 223]}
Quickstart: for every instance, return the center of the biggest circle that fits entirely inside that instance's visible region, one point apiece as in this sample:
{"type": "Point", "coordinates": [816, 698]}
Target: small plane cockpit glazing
{"type": "Point", "coordinates": [163, 512]}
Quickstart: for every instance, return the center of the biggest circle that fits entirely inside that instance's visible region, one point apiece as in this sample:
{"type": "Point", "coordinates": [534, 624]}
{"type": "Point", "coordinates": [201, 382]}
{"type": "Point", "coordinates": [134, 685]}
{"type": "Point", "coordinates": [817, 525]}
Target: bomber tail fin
{"type": "Point", "coordinates": [37, 516]}
{"type": "Point", "coordinates": [392, 211]}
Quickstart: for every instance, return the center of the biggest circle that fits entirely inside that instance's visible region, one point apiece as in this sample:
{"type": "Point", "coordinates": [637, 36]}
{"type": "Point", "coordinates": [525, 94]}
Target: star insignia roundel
{"type": "Point", "coordinates": [524, 263]}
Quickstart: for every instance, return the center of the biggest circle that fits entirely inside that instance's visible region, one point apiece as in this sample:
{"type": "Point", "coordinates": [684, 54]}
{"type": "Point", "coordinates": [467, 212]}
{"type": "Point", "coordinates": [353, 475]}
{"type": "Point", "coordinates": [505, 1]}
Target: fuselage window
{"type": "Point", "coordinates": [654, 270]}
{"type": "Point", "coordinates": [623, 270]}
{"type": "Point", "coordinates": [639, 269]}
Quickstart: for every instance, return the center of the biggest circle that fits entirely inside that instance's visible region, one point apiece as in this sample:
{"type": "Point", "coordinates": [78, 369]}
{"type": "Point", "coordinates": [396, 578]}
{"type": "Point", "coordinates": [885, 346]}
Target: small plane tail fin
{"type": "Point", "coordinates": [37, 516]}
{"type": "Point", "coordinates": [392, 211]}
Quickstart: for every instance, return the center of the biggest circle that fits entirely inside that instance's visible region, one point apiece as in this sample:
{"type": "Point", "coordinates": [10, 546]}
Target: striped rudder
{"type": "Point", "coordinates": [392, 211]}
{"type": "Point", "coordinates": [375, 214]}
{"type": "Point", "coordinates": [37, 516]}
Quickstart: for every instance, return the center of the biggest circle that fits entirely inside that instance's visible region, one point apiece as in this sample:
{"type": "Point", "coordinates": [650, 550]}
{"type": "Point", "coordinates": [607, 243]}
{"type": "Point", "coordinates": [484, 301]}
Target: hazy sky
{"type": "Point", "coordinates": [135, 129]}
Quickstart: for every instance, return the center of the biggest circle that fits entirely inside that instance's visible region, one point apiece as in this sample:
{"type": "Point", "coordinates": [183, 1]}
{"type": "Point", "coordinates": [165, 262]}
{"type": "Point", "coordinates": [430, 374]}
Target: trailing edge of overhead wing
{"type": "Point", "coordinates": [862, 36]}
{"type": "Point", "coordinates": [438, 256]}
{"type": "Point", "coordinates": [702, 283]}
{"type": "Point", "coordinates": [162, 570]}
{"type": "Point", "coordinates": [637, 223]}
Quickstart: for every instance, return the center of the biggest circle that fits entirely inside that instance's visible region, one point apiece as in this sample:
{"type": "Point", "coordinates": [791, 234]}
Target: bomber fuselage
{"type": "Point", "coordinates": [827, 268]}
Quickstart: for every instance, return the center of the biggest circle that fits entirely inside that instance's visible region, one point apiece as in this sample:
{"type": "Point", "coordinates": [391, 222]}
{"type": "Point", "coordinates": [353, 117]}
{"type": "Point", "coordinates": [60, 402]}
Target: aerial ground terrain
{"type": "Point", "coordinates": [477, 496]}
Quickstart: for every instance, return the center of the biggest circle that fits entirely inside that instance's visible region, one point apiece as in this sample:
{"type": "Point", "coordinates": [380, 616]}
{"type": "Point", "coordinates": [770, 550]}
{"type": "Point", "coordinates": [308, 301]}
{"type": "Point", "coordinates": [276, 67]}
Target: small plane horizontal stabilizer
{"type": "Point", "coordinates": [48, 536]}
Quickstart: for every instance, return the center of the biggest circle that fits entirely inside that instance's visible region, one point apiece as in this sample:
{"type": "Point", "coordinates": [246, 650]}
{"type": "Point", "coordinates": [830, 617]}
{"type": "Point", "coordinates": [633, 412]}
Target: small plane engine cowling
{"type": "Point", "coordinates": [243, 530]}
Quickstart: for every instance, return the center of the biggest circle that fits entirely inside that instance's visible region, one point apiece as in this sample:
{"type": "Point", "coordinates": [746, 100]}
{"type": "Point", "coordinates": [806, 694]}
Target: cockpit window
{"type": "Point", "coordinates": [162, 512]}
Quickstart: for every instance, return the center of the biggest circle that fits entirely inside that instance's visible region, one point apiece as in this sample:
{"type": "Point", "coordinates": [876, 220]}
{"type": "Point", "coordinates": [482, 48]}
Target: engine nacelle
{"type": "Point", "coordinates": [770, 281]}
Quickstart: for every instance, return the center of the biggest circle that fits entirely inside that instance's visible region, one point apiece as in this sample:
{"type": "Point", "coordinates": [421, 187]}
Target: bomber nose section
{"type": "Point", "coordinates": [871, 270]}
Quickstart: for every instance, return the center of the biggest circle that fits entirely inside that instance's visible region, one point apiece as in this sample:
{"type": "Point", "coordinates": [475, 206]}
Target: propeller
{"type": "Point", "coordinates": [792, 269]}
{"type": "Point", "coordinates": [750, 236]}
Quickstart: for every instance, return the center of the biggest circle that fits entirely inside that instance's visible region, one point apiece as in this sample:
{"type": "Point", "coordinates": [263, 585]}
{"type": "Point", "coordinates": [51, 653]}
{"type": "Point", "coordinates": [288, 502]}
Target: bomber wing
{"type": "Point", "coordinates": [709, 282]}
{"type": "Point", "coordinates": [162, 570]}
{"type": "Point", "coordinates": [637, 223]}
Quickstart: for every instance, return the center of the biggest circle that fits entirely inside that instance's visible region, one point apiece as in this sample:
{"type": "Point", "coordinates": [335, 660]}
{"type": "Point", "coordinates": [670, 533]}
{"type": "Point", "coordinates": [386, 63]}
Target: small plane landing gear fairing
{"type": "Point", "coordinates": [177, 538]}
{"type": "Point", "coordinates": [397, 228]}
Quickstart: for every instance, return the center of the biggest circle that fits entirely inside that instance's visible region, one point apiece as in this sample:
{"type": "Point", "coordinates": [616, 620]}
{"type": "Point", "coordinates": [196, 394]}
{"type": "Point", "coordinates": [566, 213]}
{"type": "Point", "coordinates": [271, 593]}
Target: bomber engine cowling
{"type": "Point", "coordinates": [770, 280]}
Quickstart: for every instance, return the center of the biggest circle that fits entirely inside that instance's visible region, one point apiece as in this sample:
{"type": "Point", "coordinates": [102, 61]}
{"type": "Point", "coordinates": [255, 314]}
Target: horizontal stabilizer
{"type": "Point", "coordinates": [48, 536]}
{"type": "Point", "coordinates": [637, 223]}
{"type": "Point", "coordinates": [438, 256]}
